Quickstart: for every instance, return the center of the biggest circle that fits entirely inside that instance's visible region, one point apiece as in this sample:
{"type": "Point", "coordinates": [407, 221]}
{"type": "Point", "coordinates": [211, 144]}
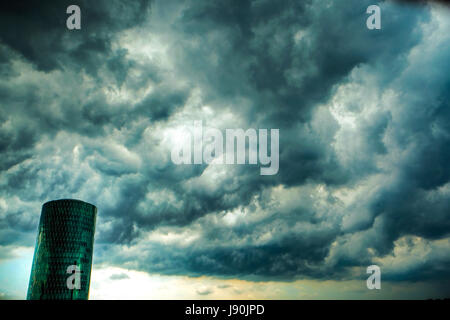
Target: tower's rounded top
{"type": "Point", "coordinates": [60, 201]}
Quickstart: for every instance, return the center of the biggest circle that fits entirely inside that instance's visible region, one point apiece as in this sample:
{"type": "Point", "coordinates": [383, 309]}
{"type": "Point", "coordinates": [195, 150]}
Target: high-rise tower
{"type": "Point", "coordinates": [64, 248]}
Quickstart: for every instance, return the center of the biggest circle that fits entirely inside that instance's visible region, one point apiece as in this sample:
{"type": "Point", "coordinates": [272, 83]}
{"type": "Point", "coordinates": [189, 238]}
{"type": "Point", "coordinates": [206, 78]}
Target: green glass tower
{"type": "Point", "coordinates": [63, 252]}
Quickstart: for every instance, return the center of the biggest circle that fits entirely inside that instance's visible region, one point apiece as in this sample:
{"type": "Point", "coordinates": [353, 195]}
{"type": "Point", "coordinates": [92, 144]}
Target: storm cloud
{"type": "Point", "coordinates": [364, 120]}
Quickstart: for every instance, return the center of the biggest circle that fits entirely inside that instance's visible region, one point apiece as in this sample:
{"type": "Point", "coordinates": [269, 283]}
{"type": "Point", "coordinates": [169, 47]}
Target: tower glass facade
{"type": "Point", "coordinates": [65, 238]}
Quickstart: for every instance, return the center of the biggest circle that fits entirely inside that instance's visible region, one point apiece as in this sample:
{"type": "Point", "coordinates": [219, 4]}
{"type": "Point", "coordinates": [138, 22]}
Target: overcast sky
{"type": "Point", "coordinates": [364, 120]}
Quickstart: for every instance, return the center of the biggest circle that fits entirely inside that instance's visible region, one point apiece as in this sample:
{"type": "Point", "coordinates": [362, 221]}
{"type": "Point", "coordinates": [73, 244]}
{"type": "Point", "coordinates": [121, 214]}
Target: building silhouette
{"type": "Point", "coordinates": [64, 248]}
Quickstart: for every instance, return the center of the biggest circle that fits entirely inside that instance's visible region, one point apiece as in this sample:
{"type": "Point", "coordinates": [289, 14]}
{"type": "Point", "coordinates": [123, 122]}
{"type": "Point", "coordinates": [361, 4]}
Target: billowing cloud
{"type": "Point", "coordinates": [364, 135]}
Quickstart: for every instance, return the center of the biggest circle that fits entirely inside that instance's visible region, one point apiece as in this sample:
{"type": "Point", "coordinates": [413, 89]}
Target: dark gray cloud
{"type": "Point", "coordinates": [363, 118]}
{"type": "Point", "coordinates": [37, 30]}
